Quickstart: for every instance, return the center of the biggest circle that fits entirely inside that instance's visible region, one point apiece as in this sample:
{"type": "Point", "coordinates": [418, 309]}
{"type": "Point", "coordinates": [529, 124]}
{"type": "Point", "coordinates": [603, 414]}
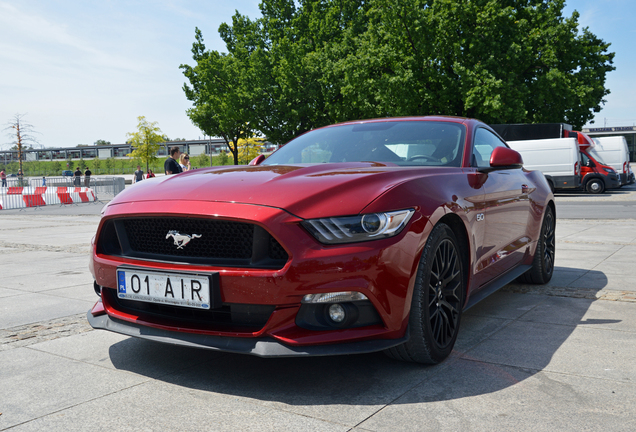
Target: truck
{"type": "Point", "coordinates": [597, 177]}
{"type": "Point", "coordinates": [557, 158]}
{"type": "Point", "coordinates": [613, 151]}
{"type": "Point", "coordinates": [593, 175]}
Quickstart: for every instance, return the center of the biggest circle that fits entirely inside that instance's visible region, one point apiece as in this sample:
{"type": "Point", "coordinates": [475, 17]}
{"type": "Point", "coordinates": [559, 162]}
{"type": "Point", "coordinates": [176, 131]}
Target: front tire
{"type": "Point", "coordinates": [543, 262]}
{"type": "Point", "coordinates": [438, 300]}
{"type": "Point", "coordinates": [595, 186]}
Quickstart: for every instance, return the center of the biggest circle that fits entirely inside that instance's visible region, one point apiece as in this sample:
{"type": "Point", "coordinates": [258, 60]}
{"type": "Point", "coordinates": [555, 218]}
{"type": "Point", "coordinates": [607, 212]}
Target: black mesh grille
{"type": "Point", "coordinates": [192, 240]}
{"type": "Point", "coordinates": [276, 251]}
{"type": "Point", "coordinates": [218, 239]}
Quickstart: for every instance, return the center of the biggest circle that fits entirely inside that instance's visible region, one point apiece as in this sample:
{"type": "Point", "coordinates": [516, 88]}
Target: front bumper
{"type": "Point", "coordinates": [612, 181]}
{"type": "Point", "coordinates": [383, 270]}
{"type": "Point", "coordinates": [261, 347]}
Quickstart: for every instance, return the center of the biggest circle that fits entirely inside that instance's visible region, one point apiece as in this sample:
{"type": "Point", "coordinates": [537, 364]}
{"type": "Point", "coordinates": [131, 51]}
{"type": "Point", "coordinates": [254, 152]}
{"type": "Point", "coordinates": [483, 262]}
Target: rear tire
{"type": "Point", "coordinates": [438, 300]}
{"type": "Point", "coordinates": [543, 263]}
{"type": "Point", "coordinates": [595, 186]}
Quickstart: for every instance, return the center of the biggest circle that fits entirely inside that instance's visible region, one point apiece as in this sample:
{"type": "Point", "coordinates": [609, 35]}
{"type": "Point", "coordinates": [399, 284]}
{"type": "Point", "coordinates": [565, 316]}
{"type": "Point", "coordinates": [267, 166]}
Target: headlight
{"type": "Point", "coordinates": [609, 170]}
{"type": "Point", "coordinates": [351, 229]}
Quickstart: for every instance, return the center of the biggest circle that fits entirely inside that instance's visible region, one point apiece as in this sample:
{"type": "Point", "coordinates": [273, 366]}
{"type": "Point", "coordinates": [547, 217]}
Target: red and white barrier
{"type": "Point", "coordinates": [21, 197]}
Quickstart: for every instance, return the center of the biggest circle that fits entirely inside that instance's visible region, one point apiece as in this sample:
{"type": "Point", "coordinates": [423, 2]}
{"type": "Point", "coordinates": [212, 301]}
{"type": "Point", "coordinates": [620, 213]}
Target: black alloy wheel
{"type": "Point", "coordinates": [438, 300]}
{"type": "Point", "coordinates": [543, 262]}
{"type": "Point", "coordinates": [443, 300]}
{"type": "Point", "coordinates": [549, 242]}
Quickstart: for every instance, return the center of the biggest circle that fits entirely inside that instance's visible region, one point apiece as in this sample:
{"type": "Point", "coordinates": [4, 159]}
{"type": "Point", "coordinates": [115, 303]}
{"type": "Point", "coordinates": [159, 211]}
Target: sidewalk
{"type": "Point", "coordinates": [553, 358]}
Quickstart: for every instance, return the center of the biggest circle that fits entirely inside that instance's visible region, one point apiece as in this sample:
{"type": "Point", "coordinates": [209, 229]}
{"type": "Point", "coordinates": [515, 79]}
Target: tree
{"type": "Point", "coordinates": [201, 160]}
{"type": "Point", "coordinates": [21, 134]}
{"type": "Point", "coordinates": [222, 158]}
{"type": "Point", "coordinates": [56, 167]}
{"type": "Point", "coordinates": [109, 164]}
{"type": "Point", "coordinates": [500, 61]}
{"type": "Point", "coordinates": [97, 163]}
{"type": "Point", "coordinates": [145, 141]}
{"type": "Point", "coordinates": [221, 94]}
{"type": "Point", "coordinates": [101, 142]}
{"type": "Point", "coordinates": [308, 63]}
{"type": "Point", "coordinates": [249, 149]}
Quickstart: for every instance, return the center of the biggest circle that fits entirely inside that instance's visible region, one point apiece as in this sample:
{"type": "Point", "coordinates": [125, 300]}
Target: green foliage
{"type": "Point", "coordinates": [96, 165]}
{"type": "Point", "coordinates": [12, 168]}
{"type": "Point", "coordinates": [308, 63]}
{"type": "Point", "coordinates": [109, 164]}
{"type": "Point", "coordinates": [201, 160]}
{"type": "Point", "coordinates": [249, 149]}
{"type": "Point", "coordinates": [222, 159]}
{"type": "Point", "coordinates": [56, 168]}
{"type": "Point", "coordinates": [101, 142]}
{"type": "Point", "coordinates": [221, 93]}
{"type": "Point", "coordinates": [145, 141]}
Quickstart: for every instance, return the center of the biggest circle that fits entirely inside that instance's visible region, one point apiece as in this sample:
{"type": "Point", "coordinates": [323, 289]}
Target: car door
{"type": "Point", "coordinates": [506, 209]}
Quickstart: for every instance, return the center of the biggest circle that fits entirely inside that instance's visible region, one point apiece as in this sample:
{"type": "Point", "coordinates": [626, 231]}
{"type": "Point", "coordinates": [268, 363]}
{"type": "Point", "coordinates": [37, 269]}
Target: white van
{"type": "Point", "coordinates": [557, 158]}
{"type": "Point", "coordinates": [613, 151]}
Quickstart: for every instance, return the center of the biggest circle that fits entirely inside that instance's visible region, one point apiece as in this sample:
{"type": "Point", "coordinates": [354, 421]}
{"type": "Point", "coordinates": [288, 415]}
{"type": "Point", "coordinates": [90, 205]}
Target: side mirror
{"type": "Point", "coordinates": [257, 160]}
{"type": "Point", "coordinates": [503, 158]}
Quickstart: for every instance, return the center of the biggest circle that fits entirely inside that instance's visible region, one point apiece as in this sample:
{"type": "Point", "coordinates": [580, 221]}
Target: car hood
{"type": "Point", "coordinates": [307, 191]}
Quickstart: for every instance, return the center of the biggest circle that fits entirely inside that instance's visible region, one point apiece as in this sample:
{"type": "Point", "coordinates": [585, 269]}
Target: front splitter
{"type": "Point", "coordinates": [261, 347]}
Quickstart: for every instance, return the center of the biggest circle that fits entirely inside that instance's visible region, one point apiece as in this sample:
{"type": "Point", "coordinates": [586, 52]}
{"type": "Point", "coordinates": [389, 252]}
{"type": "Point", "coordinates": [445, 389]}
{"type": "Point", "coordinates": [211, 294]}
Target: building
{"type": "Point", "coordinates": [192, 147]}
{"type": "Point", "coordinates": [629, 132]}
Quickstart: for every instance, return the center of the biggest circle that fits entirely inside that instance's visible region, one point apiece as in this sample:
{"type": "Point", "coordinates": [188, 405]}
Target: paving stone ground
{"type": "Point", "coordinates": [528, 358]}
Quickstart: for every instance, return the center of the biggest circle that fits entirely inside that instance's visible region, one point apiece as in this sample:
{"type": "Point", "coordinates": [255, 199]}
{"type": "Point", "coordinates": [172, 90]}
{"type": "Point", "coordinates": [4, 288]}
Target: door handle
{"type": "Point", "coordinates": [525, 189]}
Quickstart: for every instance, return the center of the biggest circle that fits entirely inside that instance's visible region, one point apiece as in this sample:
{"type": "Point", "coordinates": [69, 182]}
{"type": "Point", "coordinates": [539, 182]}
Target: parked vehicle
{"type": "Point", "coordinates": [558, 159]}
{"type": "Point", "coordinates": [613, 151]}
{"type": "Point", "coordinates": [358, 237]}
{"type": "Point", "coordinates": [596, 175]}
{"type": "Point", "coordinates": [67, 173]}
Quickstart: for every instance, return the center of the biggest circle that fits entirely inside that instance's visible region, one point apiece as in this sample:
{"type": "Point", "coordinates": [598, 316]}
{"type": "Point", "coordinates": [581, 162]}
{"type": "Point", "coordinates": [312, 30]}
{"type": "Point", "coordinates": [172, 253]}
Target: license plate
{"type": "Point", "coordinates": [177, 289]}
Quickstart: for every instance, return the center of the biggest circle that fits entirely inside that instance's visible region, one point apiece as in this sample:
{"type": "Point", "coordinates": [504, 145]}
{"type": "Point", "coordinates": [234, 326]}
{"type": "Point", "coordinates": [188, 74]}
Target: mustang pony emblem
{"type": "Point", "coordinates": [180, 240]}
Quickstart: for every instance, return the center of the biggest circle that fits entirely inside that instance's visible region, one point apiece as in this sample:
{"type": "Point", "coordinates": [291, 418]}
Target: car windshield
{"type": "Point", "coordinates": [596, 156]}
{"type": "Point", "coordinates": [405, 143]}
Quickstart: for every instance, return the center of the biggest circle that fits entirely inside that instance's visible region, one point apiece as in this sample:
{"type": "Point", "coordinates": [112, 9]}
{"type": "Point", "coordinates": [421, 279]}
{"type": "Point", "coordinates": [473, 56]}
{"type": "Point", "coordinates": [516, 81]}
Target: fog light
{"type": "Point", "coordinates": [337, 313]}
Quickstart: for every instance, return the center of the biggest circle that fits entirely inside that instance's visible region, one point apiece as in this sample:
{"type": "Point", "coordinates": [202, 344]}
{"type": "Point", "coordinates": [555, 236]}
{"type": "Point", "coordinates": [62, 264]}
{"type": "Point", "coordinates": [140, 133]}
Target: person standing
{"type": "Point", "coordinates": [3, 177]}
{"type": "Point", "coordinates": [87, 177]}
{"type": "Point", "coordinates": [20, 178]}
{"type": "Point", "coordinates": [77, 177]}
{"type": "Point", "coordinates": [171, 166]}
{"type": "Point", "coordinates": [184, 162]}
{"type": "Point", "coordinates": [139, 175]}
{"type": "Point", "coordinates": [150, 174]}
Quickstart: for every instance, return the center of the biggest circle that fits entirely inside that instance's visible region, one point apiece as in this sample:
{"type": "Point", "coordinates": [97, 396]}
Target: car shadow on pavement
{"type": "Point", "coordinates": [505, 339]}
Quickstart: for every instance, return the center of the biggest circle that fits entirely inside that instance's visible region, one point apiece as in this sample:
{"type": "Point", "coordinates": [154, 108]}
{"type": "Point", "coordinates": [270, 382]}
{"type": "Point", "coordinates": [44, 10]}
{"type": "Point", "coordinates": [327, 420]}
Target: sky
{"type": "Point", "coordinates": [82, 71]}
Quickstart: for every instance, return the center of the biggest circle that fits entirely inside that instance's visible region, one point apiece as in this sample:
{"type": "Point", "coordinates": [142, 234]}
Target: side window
{"type": "Point", "coordinates": [485, 142]}
{"type": "Point", "coordinates": [586, 160]}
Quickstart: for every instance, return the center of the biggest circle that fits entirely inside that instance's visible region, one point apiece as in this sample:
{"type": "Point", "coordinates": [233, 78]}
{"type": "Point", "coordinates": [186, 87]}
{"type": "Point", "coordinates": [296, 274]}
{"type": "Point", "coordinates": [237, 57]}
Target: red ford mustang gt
{"type": "Point", "coordinates": [358, 237]}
